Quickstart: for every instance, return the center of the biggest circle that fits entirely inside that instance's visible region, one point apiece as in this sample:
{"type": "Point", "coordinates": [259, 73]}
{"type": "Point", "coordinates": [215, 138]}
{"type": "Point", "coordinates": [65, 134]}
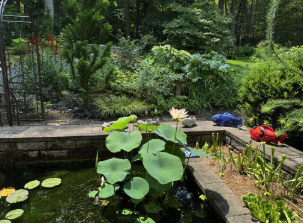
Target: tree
{"type": "Point", "coordinates": [49, 5]}
{"type": "Point", "coordinates": [127, 18]}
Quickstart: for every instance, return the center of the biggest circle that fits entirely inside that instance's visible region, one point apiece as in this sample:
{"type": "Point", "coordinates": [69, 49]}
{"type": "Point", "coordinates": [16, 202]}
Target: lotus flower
{"type": "Point", "coordinates": [178, 113]}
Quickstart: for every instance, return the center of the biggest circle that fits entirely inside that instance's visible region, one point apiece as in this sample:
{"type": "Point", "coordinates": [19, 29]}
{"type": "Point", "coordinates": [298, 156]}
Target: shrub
{"type": "Point", "coordinates": [244, 51]}
{"type": "Point", "coordinates": [120, 106]}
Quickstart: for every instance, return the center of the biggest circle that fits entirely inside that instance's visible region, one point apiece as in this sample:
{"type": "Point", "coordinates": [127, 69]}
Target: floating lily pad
{"type": "Point", "coordinates": [152, 208]}
{"type": "Point", "coordinates": [5, 221]}
{"type": "Point", "coordinates": [121, 140]}
{"type": "Point", "coordinates": [114, 169]}
{"type": "Point", "coordinates": [32, 184]}
{"type": "Point", "coordinates": [153, 183]}
{"type": "Point", "coordinates": [168, 132]}
{"type": "Point", "coordinates": [141, 220]}
{"type": "Point", "coordinates": [177, 151]}
{"type": "Point", "coordinates": [163, 167]}
{"type": "Point", "coordinates": [17, 196]}
{"type": "Point", "coordinates": [136, 188]}
{"type": "Point", "coordinates": [93, 194]}
{"type": "Point", "coordinates": [154, 145]}
{"type": "Point", "coordinates": [51, 182]}
{"type": "Point", "coordinates": [121, 123]}
{"type": "Point", "coordinates": [108, 190]}
{"type": "Point", "coordinates": [14, 214]}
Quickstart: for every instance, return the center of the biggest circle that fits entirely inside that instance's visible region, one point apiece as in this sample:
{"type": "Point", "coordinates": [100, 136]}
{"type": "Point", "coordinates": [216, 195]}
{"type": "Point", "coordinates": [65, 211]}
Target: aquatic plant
{"type": "Point", "coordinates": [17, 196]}
{"type": "Point", "coordinates": [51, 182]}
{"type": "Point", "coordinates": [163, 164]}
{"type": "Point", "coordinates": [32, 184]}
{"type": "Point", "coordinates": [14, 214]}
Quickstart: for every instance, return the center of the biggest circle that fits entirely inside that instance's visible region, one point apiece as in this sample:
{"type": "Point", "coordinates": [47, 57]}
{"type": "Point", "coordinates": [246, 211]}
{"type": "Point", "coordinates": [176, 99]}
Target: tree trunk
{"type": "Point", "coordinates": [49, 5]}
{"type": "Point", "coordinates": [178, 89]}
{"type": "Point", "coordinates": [232, 10]}
{"type": "Point", "coordinates": [127, 18]}
{"type": "Point", "coordinates": [221, 5]}
{"type": "Point", "coordinates": [87, 97]}
{"type": "Point", "coordinates": [137, 18]}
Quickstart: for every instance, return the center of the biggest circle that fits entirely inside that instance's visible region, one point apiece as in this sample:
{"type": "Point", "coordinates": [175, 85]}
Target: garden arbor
{"type": "Point", "coordinates": [20, 88]}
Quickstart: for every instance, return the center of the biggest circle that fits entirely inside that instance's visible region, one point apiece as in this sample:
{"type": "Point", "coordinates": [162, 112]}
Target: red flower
{"type": "Point", "coordinates": [23, 51]}
{"type": "Point", "coordinates": [33, 41]}
{"type": "Point", "coordinates": [52, 43]}
{"type": "Point", "coordinates": [28, 42]}
{"type": "Point", "coordinates": [48, 37]}
{"type": "Point", "coordinates": [242, 166]}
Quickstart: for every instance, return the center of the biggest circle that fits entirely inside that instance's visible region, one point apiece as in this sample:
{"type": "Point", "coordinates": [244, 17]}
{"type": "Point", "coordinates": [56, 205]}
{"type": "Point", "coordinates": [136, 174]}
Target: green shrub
{"type": "Point", "coordinates": [120, 106]}
{"type": "Point", "coordinates": [242, 51]}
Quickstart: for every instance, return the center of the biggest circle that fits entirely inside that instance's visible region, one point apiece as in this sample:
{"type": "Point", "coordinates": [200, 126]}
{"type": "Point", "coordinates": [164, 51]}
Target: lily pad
{"type": "Point", "coordinates": [152, 208]}
{"type": "Point", "coordinates": [121, 123]}
{"type": "Point", "coordinates": [141, 220]}
{"type": "Point", "coordinates": [5, 221]}
{"type": "Point", "coordinates": [153, 183]}
{"type": "Point", "coordinates": [114, 169]}
{"type": "Point", "coordinates": [32, 184]}
{"type": "Point", "coordinates": [136, 188]}
{"type": "Point", "coordinates": [136, 201]}
{"type": "Point", "coordinates": [163, 167]}
{"type": "Point", "coordinates": [177, 151]}
{"type": "Point", "coordinates": [168, 132]}
{"type": "Point", "coordinates": [137, 157]}
{"type": "Point", "coordinates": [198, 152]}
{"type": "Point", "coordinates": [17, 196]}
{"type": "Point", "coordinates": [126, 212]}
{"type": "Point", "coordinates": [108, 190]}
{"type": "Point", "coordinates": [154, 145]}
{"type": "Point", "coordinates": [14, 214]}
{"type": "Point", "coordinates": [51, 182]}
{"type": "Point", "coordinates": [146, 127]}
{"type": "Point", "coordinates": [93, 194]}
{"type": "Point", "coordinates": [121, 140]}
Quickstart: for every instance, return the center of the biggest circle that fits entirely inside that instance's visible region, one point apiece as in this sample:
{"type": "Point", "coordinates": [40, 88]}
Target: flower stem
{"type": "Point", "coordinates": [187, 162]}
{"type": "Point", "coordinates": [175, 136]}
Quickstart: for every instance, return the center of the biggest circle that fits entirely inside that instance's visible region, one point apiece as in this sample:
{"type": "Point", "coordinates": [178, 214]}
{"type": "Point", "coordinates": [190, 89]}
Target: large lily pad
{"type": "Point", "coordinates": [136, 188]}
{"type": "Point", "coordinates": [93, 194]}
{"type": "Point", "coordinates": [177, 151]}
{"type": "Point", "coordinates": [51, 182]}
{"type": "Point", "coordinates": [114, 169]}
{"type": "Point", "coordinates": [121, 140]}
{"type": "Point", "coordinates": [14, 214]}
{"type": "Point", "coordinates": [17, 196]}
{"type": "Point", "coordinates": [153, 183]}
{"type": "Point", "coordinates": [163, 167]}
{"type": "Point", "coordinates": [5, 221]}
{"type": "Point", "coordinates": [146, 127]}
{"type": "Point", "coordinates": [198, 152]}
{"type": "Point", "coordinates": [32, 184]}
{"type": "Point", "coordinates": [108, 190]}
{"type": "Point", "coordinates": [154, 145]}
{"type": "Point", "coordinates": [168, 132]}
{"type": "Point", "coordinates": [121, 123]}
{"type": "Point", "coordinates": [141, 220]}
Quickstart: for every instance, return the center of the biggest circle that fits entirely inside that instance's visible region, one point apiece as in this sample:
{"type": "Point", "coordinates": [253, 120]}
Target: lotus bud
{"type": "Point", "coordinates": [156, 111]}
{"type": "Point", "coordinates": [197, 145]}
{"type": "Point", "coordinates": [146, 113]}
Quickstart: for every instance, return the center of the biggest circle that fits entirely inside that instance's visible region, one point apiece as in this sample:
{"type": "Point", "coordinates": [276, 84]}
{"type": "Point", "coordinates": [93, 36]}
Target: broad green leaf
{"type": "Point", "coordinates": [93, 194]}
{"type": "Point", "coordinates": [153, 183]}
{"type": "Point", "coordinates": [152, 208]}
{"type": "Point", "coordinates": [5, 221]}
{"type": "Point", "coordinates": [154, 145]}
{"type": "Point", "coordinates": [121, 123]}
{"type": "Point", "coordinates": [141, 220]}
{"type": "Point", "coordinates": [32, 184]}
{"type": "Point", "coordinates": [136, 188]}
{"type": "Point", "coordinates": [168, 132]}
{"type": "Point", "coordinates": [146, 127]}
{"type": "Point", "coordinates": [121, 140]}
{"type": "Point", "coordinates": [173, 202]}
{"type": "Point", "coordinates": [177, 151]}
{"type": "Point", "coordinates": [14, 214]}
{"type": "Point", "coordinates": [17, 196]}
{"type": "Point", "coordinates": [137, 157]}
{"type": "Point", "coordinates": [163, 167]}
{"type": "Point", "coordinates": [108, 190]}
{"type": "Point", "coordinates": [114, 169]}
{"type": "Point", "coordinates": [198, 152]}
{"type": "Point", "coordinates": [136, 201]}
{"type": "Point", "coordinates": [126, 211]}
{"type": "Point", "coordinates": [51, 182]}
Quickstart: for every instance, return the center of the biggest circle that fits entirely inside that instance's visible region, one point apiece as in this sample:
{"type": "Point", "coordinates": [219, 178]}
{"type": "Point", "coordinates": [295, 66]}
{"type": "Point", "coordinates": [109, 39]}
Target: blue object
{"type": "Point", "coordinates": [227, 119]}
{"type": "Point", "coordinates": [191, 155]}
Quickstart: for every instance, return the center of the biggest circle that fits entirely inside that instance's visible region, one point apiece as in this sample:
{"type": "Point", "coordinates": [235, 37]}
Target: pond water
{"type": "Point", "coordinates": [69, 202]}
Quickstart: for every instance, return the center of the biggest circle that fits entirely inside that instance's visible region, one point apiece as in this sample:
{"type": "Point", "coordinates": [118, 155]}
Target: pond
{"type": "Point", "coordinates": [69, 202]}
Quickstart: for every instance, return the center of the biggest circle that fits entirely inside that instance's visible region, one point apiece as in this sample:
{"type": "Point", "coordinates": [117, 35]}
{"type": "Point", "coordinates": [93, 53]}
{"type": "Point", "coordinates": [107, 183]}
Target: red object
{"type": "Point", "coordinates": [28, 42]}
{"type": "Point", "coordinates": [266, 134]}
{"type": "Point", "coordinates": [48, 37]}
{"type": "Point", "coordinates": [33, 41]}
{"type": "Point", "coordinates": [57, 45]}
{"type": "Point", "coordinates": [23, 51]}
{"type": "Point", "coordinates": [52, 43]}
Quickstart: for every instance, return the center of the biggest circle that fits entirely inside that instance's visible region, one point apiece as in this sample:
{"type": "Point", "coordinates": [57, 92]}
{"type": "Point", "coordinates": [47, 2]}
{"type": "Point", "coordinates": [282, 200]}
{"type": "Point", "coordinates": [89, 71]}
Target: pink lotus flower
{"type": "Point", "coordinates": [178, 113]}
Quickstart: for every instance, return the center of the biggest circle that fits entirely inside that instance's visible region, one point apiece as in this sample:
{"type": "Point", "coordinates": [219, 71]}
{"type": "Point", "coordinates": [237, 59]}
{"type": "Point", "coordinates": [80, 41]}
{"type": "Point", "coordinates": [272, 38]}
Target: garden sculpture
{"type": "Point", "coordinates": [266, 134]}
{"type": "Point", "coordinates": [227, 119]}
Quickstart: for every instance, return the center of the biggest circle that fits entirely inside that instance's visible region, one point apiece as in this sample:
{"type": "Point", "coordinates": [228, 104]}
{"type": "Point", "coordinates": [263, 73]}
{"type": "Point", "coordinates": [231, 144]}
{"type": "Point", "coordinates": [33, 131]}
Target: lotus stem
{"type": "Point", "coordinates": [187, 162]}
{"type": "Point", "coordinates": [175, 136]}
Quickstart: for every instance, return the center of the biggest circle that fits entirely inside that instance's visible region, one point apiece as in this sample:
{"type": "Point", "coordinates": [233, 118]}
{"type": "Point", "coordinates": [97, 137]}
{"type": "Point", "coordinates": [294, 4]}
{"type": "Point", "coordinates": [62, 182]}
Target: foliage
{"type": "Point", "coordinates": [291, 187]}
{"type": "Point", "coordinates": [120, 106]}
{"type": "Point", "coordinates": [51, 182]}
{"type": "Point", "coordinates": [244, 51]}
{"type": "Point", "coordinates": [264, 211]}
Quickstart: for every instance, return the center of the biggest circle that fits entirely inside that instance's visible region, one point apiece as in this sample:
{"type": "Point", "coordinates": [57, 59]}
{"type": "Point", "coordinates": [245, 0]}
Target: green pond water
{"type": "Point", "coordinates": [69, 201]}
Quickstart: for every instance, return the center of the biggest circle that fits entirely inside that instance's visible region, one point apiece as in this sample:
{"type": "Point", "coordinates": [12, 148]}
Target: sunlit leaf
{"type": "Point", "coordinates": [146, 127]}
{"type": "Point", "coordinates": [93, 194]}
{"type": "Point", "coordinates": [14, 214]}
{"type": "Point", "coordinates": [168, 132]}
{"type": "Point", "coordinates": [51, 182]}
{"type": "Point", "coordinates": [175, 151]}
{"type": "Point", "coordinates": [32, 184]}
{"type": "Point", "coordinates": [108, 190]}
{"type": "Point", "coordinates": [143, 220]}
{"type": "Point", "coordinates": [154, 145]}
{"type": "Point", "coordinates": [121, 123]}
{"type": "Point", "coordinates": [121, 140]}
{"type": "Point", "coordinates": [17, 196]}
{"type": "Point", "coordinates": [136, 188]}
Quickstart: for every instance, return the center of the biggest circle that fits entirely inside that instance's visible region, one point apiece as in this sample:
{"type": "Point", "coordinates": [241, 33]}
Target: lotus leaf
{"type": "Point", "coordinates": [168, 132]}
{"type": "Point", "coordinates": [152, 208]}
{"type": "Point", "coordinates": [146, 127]}
{"type": "Point", "coordinates": [137, 157]}
{"type": "Point", "coordinates": [136, 201]}
{"type": "Point", "coordinates": [126, 212]}
{"type": "Point", "coordinates": [14, 214]}
{"type": "Point", "coordinates": [198, 152]}
{"type": "Point", "coordinates": [93, 194]}
{"type": "Point", "coordinates": [153, 183]}
{"type": "Point", "coordinates": [121, 140]}
{"type": "Point", "coordinates": [108, 190]}
{"type": "Point", "coordinates": [6, 191]}
{"type": "Point", "coordinates": [114, 169]}
{"type": "Point", "coordinates": [17, 196]}
{"type": "Point", "coordinates": [5, 221]}
{"type": "Point", "coordinates": [154, 145]}
{"type": "Point", "coordinates": [141, 220]}
{"type": "Point", "coordinates": [136, 188]}
{"type": "Point", "coordinates": [51, 182]}
{"type": "Point", "coordinates": [163, 167]}
{"type": "Point", "coordinates": [121, 123]}
{"type": "Point", "coordinates": [177, 151]}
{"type": "Point", "coordinates": [32, 184]}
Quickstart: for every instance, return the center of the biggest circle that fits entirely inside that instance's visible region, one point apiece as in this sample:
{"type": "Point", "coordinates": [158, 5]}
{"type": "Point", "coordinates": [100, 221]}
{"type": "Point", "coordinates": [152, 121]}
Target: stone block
{"type": "Point", "coordinates": [90, 144]}
{"type": "Point", "coordinates": [7, 147]}
{"type": "Point", "coordinates": [62, 144]}
{"type": "Point", "coordinates": [83, 153]}
{"type": "Point", "coordinates": [241, 219]}
{"type": "Point", "coordinates": [54, 155]}
{"type": "Point", "coordinates": [34, 146]}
